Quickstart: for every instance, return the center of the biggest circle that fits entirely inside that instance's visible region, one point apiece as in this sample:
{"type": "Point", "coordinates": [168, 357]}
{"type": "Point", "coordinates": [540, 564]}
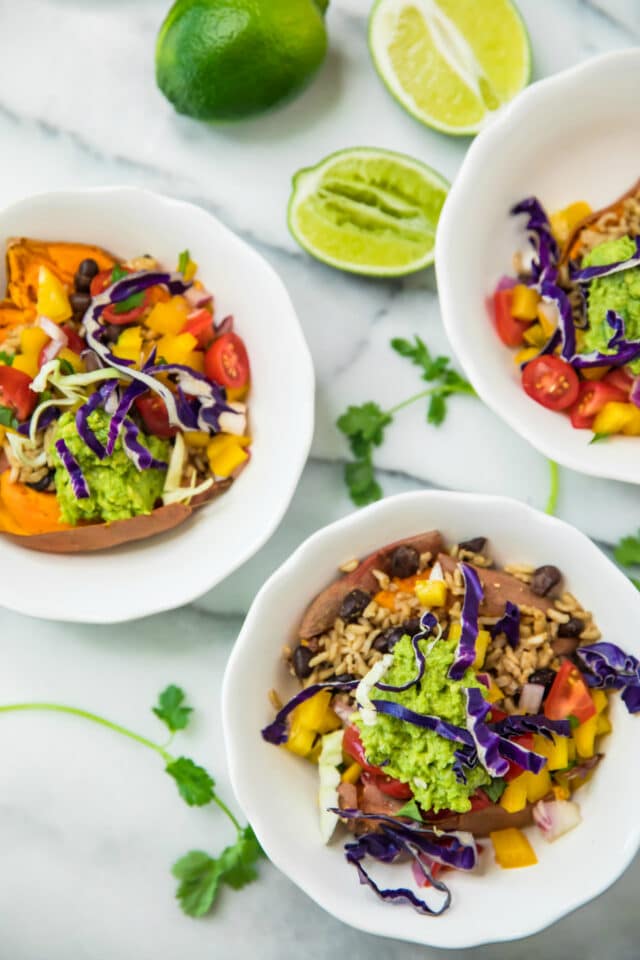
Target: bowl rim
{"type": "Point", "coordinates": [305, 405]}
{"type": "Point", "coordinates": [588, 461]}
{"type": "Point", "coordinates": [248, 798]}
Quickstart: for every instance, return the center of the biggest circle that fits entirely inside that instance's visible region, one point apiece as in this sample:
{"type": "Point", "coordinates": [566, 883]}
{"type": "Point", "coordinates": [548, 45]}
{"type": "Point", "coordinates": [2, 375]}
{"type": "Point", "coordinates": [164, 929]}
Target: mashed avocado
{"type": "Point", "coordinates": [619, 292]}
{"type": "Point", "coordinates": [117, 489]}
{"type": "Point", "coordinates": [421, 757]}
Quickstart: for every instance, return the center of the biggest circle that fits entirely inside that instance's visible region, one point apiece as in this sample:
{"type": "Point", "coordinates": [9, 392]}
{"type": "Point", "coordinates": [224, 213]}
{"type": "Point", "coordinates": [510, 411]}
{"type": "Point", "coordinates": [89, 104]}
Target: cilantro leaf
{"type": "Point", "coordinates": [200, 875]}
{"type": "Point", "coordinates": [364, 427]}
{"type": "Point", "coordinates": [361, 481]}
{"type": "Point", "coordinates": [495, 789]}
{"type": "Point", "coordinates": [8, 418]}
{"type": "Point", "coordinates": [170, 708]}
{"type": "Point", "coordinates": [118, 273]}
{"type": "Point", "coordinates": [419, 353]}
{"type": "Point", "coordinates": [411, 810]}
{"type": "Point", "coordinates": [66, 368]}
{"type": "Point", "coordinates": [123, 306]}
{"type": "Point", "coordinates": [183, 261]}
{"type": "Point", "coordinates": [627, 552]}
{"type": "Point", "coordinates": [455, 383]}
{"type": "Point", "coordinates": [238, 860]}
{"type": "Point", "coordinates": [437, 409]}
{"type": "Point", "coordinates": [598, 437]}
{"type": "Point", "coordinates": [195, 785]}
{"type": "Point", "coordinates": [6, 358]}
{"type": "Point", "coordinates": [635, 582]}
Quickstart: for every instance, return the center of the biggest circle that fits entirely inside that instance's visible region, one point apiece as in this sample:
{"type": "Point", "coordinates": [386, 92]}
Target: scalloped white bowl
{"type": "Point", "coordinates": [167, 571]}
{"type": "Point", "coordinates": [278, 791]}
{"type": "Point", "coordinates": [574, 136]}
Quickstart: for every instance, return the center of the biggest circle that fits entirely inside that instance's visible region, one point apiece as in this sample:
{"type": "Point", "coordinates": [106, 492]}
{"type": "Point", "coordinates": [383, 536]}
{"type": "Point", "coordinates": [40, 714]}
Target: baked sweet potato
{"type": "Point", "coordinates": [572, 245]}
{"type": "Point", "coordinates": [25, 257]}
{"type": "Point", "coordinates": [499, 587]}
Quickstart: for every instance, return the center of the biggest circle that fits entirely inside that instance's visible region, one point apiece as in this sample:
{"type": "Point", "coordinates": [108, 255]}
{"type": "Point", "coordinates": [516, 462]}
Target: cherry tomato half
{"type": "Point", "coordinates": [16, 392]}
{"type": "Point", "coordinates": [592, 397]}
{"type": "Point", "coordinates": [551, 382]}
{"type": "Point", "coordinates": [74, 340]}
{"type": "Point", "coordinates": [618, 377]}
{"type": "Point", "coordinates": [110, 314]}
{"type": "Point", "coordinates": [200, 325]}
{"type": "Point", "coordinates": [104, 279]}
{"type": "Point", "coordinates": [226, 361]}
{"type": "Point", "coordinates": [389, 786]}
{"type": "Point", "coordinates": [353, 746]}
{"type": "Point", "coordinates": [153, 411]}
{"type": "Point", "coordinates": [569, 696]}
{"type": "Point", "coordinates": [525, 741]}
{"type": "Point", "coordinates": [510, 330]}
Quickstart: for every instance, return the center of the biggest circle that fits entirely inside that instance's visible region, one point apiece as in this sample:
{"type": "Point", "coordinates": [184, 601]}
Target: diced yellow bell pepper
{"type": "Point", "coordinates": [197, 438]}
{"type": "Point", "coordinates": [600, 700]}
{"type": "Point", "coordinates": [176, 349]}
{"type": "Point", "coordinates": [330, 722]}
{"type": "Point", "coordinates": [571, 749]}
{"type": "Point", "coordinates": [563, 222]}
{"type": "Point", "coordinates": [195, 360]}
{"type": "Point", "coordinates": [560, 792]}
{"type": "Point", "coordinates": [52, 301]}
{"type": "Point", "coordinates": [225, 453]}
{"type": "Point", "coordinates": [594, 373]}
{"type": "Point", "coordinates": [129, 344]}
{"type": "Point", "coordinates": [300, 740]}
{"type": "Point", "coordinates": [74, 359]}
{"type": "Point", "coordinates": [538, 785]}
{"type": "Point", "coordinates": [524, 355]}
{"type": "Point", "coordinates": [431, 593]}
{"type": "Point", "coordinates": [556, 752]}
{"type": "Point", "coordinates": [32, 340]}
{"type": "Point", "coordinates": [524, 302]}
{"type": "Point", "coordinates": [311, 713]}
{"type": "Point", "coordinates": [585, 737]}
{"type": "Point", "coordinates": [237, 393]}
{"type": "Point", "coordinates": [603, 725]}
{"type": "Point", "coordinates": [26, 363]}
{"type": "Point", "coordinates": [482, 644]}
{"type": "Point", "coordinates": [494, 694]}
{"type": "Point", "coordinates": [512, 848]}
{"type": "Point", "coordinates": [169, 317]}
{"type": "Point", "coordinates": [352, 773]}
{"type": "Point", "coordinates": [535, 335]}
{"type": "Point", "coordinates": [618, 417]}
{"type": "Point", "coordinates": [514, 797]}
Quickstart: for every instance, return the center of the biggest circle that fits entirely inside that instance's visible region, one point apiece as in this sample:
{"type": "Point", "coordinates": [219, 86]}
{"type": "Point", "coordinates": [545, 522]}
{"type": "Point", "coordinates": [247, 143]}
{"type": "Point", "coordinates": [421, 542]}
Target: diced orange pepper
{"type": "Point", "coordinates": [385, 598]}
{"type": "Point", "coordinates": [408, 584]}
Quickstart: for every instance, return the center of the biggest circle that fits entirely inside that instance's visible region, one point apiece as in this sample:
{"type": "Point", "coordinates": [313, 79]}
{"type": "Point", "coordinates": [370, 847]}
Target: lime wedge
{"type": "Point", "coordinates": [451, 63]}
{"type": "Point", "coordinates": [368, 211]}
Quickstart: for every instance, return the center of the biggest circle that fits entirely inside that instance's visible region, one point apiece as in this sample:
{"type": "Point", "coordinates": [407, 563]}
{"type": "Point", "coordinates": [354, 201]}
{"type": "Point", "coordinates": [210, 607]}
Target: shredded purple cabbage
{"type": "Point", "coordinates": [487, 743]}
{"type": "Point", "coordinates": [140, 456]}
{"type": "Point", "coordinates": [527, 759]}
{"type": "Point", "coordinates": [626, 350]}
{"type": "Point", "coordinates": [128, 396]}
{"type": "Point", "coordinates": [541, 238]}
{"type": "Point", "coordinates": [97, 399]}
{"type": "Point", "coordinates": [631, 699]}
{"type": "Point", "coordinates": [566, 328]}
{"type": "Point", "coordinates": [428, 622]}
{"type": "Point", "coordinates": [591, 273]}
{"type": "Point", "coordinates": [69, 462]}
{"type": "Point", "coordinates": [509, 624]}
{"type": "Point", "coordinates": [44, 420]}
{"type": "Point", "coordinates": [609, 667]}
{"type": "Point", "coordinates": [449, 731]}
{"type": "Point", "coordinates": [466, 650]}
{"type": "Point", "coordinates": [516, 725]}
{"type": "Point", "coordinates": [276, 732]}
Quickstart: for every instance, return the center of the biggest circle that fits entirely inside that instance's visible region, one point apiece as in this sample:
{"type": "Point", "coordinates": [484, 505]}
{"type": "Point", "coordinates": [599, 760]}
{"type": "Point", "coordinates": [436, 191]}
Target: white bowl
{"type": "Point", "coordinates": [278, 791]}
{"type": "Point", "coordinates": [170, 570]}
{"type": "Point", "coordinates": [574, 136]}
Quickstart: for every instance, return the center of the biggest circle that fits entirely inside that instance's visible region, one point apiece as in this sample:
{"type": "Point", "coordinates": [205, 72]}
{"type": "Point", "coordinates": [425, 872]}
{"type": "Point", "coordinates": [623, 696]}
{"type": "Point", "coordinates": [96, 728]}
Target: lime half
{"type": "Point", "coordinates": [368, 211]}
{"type": "Point", "coordinates": [450, 63]}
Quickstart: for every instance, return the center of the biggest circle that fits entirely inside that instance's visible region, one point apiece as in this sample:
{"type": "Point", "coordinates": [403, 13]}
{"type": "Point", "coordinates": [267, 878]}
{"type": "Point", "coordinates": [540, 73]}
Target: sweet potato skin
{"type": "Point", "coordinates": [499, 587]}
{"type": "Point", "coordinates": [323, 610]}
{"type": "Point", "coordinates": [568, 248]}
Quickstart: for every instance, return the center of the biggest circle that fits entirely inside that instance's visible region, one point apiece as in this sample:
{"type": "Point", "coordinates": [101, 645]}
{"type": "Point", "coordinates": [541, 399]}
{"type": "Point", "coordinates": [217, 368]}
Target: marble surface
{"type": "Point", "coordinates": [88, 823]}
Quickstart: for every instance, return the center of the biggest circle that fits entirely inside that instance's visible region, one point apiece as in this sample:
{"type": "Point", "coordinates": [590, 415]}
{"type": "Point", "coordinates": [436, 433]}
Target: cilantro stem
{"type": "Point", "coordinates": [554, 489]}
{"type": "Point", "coordinates": [225, 809]}
{"type": "Point", "coordinates": [416, 396]}
{"type": "Point", "coordinates": [94, 718]}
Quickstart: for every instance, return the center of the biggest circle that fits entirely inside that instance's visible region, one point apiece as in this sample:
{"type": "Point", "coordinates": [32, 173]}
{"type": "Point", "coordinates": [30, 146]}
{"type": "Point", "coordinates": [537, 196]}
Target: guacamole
{"type": "Point", "coordinates": [117, 489]}
{"type": "Point", "coordinates": [417, 756]}
{"type": "Point", "coordinates": [619, 291]}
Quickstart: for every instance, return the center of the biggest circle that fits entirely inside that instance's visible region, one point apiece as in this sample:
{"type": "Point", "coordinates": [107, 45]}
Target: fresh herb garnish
{"type": "Point", "coordinates": [364, 425]}
{"type": "Point", "coordinates": [495, 789]}
{"type": "Point", "coordinates": [135, 300]}
{"type": "Point", "coordinates": [118, 273]}
{"type": "Point", "coordinates": [635, 582]}
{"type": "Point", "coordinates": [554, 488]}
{"type": "Point", "coordinates": [627, 551]}
{"type": "Point", "coordinates": [183, 261]}
{"type": "Point", "coordinates": [199, 874]}
{"type": "Point", "coordinates": [6, 358]}
{"type": "Point", "coordinates": [410, 810]}
{"type": "Point", "coordinates": [598, 437]}
{"type": "Point", "coordinates": [66, 368]}
{"type": "Point", "coordinates": [574, 723]}
{"type": "Point", "coordinates": [8, 418]}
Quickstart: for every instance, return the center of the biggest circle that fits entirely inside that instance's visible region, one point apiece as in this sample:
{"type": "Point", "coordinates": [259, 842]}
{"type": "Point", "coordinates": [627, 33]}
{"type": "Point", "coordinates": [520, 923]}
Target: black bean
{"type": "Point", "coordinates": [80, 303]}
{"type": "Point", "coordinates": [545, 579]}
{"type": "Point", "coordinates": [44, 482]}
{"type": "Point", "coordinates": [386, 641]}
{"type": "Point", "coordinates": [572, 628]}
{"type": "Point", "coordinates": [544, 677]}
{"type": "Point", "coordinates": [342, 678]}
{"type": "Point", "coordinates": [301, 657]}
{"type": "Point", "coordinates": [112, 331]}
{"type": "Point", "coordinates": [82, 282]}
{"type": "Point", "coordinates": [353, 605]}
{"type": "Point", "coordinates": [476, 545]}
{"type": "Point", "coordinates": [89, 267]}
{"type": "Point", "coordinates": [404, 562]}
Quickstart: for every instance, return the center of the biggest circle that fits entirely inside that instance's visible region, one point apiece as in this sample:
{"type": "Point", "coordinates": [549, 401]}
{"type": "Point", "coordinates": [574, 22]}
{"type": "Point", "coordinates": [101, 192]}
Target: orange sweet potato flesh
{"type": "Point", "coordinates": [11, 316]}
{"type": "Point", "coordinates": [27, 512]}
{"type": "Point", "coordinates": [499, 587]}
{"type": "Point", "coordinates": [615, 207]}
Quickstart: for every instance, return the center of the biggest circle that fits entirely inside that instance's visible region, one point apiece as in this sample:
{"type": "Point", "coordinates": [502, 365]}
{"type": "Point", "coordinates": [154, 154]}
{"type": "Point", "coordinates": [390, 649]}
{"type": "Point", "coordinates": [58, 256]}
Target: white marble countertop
{"type": "Point", "coordinates": [88, 825]}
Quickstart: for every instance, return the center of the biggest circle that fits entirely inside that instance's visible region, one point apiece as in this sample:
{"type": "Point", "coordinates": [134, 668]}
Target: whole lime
{"type": "Point", "coordinates": [228, 59]}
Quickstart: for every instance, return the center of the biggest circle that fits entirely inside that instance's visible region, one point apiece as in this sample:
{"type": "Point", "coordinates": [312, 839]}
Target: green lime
{"type": "Point", "coordinates": [450, 63]}
{"type": "Point", "coordinates": [228, 59]}
{"type": "Point", "coordinates": [368, 211]}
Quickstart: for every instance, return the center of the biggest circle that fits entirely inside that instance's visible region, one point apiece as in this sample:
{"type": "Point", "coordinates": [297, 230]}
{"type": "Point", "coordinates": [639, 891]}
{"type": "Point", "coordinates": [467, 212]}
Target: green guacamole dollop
{"type": "Point", "coordinates": [619, 291]}
{"type": "Point", "coordinates": [117, 489]}
{"type": "Point", "coordinates": [416, 756]}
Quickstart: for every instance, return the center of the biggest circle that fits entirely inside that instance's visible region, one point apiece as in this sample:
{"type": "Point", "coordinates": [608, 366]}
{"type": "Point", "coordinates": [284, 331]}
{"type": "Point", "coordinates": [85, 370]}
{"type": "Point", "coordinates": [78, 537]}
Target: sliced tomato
{"type": "Point", "coordinates": [496, 714]}
{"type": "Point", "coordinates": [592, 396]}
{"type": "Point", "coordinates": [526, 741]}
{"type": "Point", "coordinates": [226, 361]}
{"type": "Point", "coordinates": [153, 411]}
{"type": "Point", "coordinates": [569, 696]}
{"type": "Point", "coordinates": [16, 392]}
{"type": "Point", "coordinates": [200, 325]}
{"type": "Point", "coordinates": [110, 315]}
{"type": "Point", "coordinates": [104, 279]}
{"type": "Point", "coordinates": [389, 786]}
{"type": "Point", "coordinates": [510, 330]}
{"type": "Point", "coordinates": [479, 801]}
{"type": "Point", "coordinates": [353, 746]}
{"type": "Point", "coordinates": [620, 378]}
{"type": "Point", "coordinates": [551, 382]}
{"type": "Point", "coordinates": [74, 340]}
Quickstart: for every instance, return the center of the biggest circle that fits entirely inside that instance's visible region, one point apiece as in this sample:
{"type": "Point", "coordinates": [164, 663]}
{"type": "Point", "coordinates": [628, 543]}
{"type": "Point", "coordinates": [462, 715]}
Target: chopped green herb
{"type": "Point", "coordinates": [627, 551]}
{"type": "Point", "coordinates": [495, 789]}
{"type": "Point", "coordinates": [170, 708]}
{"type": "Point", "coordinates": [573, 721]}
{"type": "Point", "coordinates": [135, 300]}
{"type": "Point", "coordinates": [195, 785]}
{"type": "Point", "coordinates": [200, 875]}
{"type": "Point", "coordinates": [598, 437]}
{"type": "Point", "coordinates": [45, 396]}
{"type": "Point", "coordinates": [8, 418]}
{"type": "Point", "coordinates": [411, 810]}
{"type": "Point", "coordinates": [118, 273]}
{"type": "Point", "coordinates": [183, 261]}
{"type": "Point", "coordinates": [66, 368]}
{"type": "Point", "coordinates": [6, 358]}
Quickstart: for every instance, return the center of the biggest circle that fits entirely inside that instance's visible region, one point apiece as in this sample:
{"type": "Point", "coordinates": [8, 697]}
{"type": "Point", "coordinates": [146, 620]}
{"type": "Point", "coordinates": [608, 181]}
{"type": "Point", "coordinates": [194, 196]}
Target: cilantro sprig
{"type": "Point", "coordinates": [200, 875]}
{"type": "Point", "coordinates": [364, 426]}
{"type": "Point", "coordinates": [627, 551]}
{"type": "Point", "coordinates": [8, 418]}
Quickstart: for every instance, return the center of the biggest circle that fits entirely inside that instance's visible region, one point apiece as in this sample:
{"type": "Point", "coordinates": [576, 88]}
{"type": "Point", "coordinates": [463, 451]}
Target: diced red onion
{"type": "Point", "coordinates": [531, 698]}
{"type": "Point", "coordinates": [53, 330]}
{"type": "Point", "coordinates": [556, 817]}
